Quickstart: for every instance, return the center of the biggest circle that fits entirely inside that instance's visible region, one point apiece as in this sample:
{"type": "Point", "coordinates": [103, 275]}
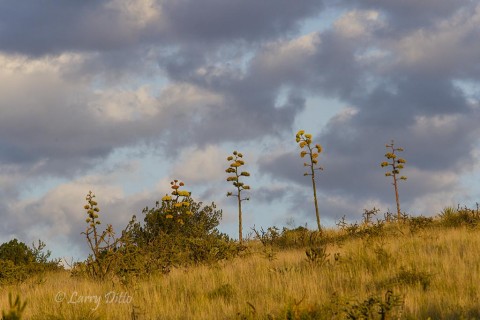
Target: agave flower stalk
{"type": "Point", "coordinates": [102, 244]}
{"type": "Point", "coordinates": [178, 203]}
{"type": "Point", "coordinates": [304, 140]}
{"type": "Point", "coordinates": [236, 161]}
{"type": "Point", "coordinates": [395, 164]}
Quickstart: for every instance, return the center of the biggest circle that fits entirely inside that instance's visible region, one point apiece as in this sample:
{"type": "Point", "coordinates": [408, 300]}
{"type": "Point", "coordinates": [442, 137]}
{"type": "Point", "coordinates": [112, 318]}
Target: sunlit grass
{"type": "Point", "coordinates": [435, 271]}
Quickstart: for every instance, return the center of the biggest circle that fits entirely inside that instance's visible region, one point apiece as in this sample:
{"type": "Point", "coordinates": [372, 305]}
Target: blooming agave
{"type": "Point", "coordinates": [236, 162]}
{"type": "Point", "coordinates": [177, 203]}
{"type": "Point", "coordinates": [395, 166]}
{"type": "Point", "coordinates": [304, 140]}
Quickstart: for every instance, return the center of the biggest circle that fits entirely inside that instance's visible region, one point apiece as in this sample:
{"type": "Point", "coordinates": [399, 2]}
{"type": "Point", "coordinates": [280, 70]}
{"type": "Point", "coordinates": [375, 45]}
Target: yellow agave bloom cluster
{"type": "Point", "coordinates": [174, 202]}
{"type": "Point", "coordinates": [396, 164]}
{"type": "Point", "coordinates": [167, 198]}
{"type": "Point", "coordinates": [181, 204]}
{"type": "Point", "coordinates": [390, 155]}
{"type": "Point", "coordinates": [304, 140]}
{"type": "Point", "coordinates": [92, 210]}
{"type": "Point", "coordinates": [236, 161]}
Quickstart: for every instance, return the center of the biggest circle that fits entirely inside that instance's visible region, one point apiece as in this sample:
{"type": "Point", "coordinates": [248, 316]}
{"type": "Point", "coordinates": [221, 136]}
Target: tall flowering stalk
{"type": "Point", "coordinates": [235, 172]}
{"type": "Point", "coordinates": [103, 244]}
{"type": "Point", "coordinates": [304, 140]}
{"type": "Point", "coordinates": [395, 166]}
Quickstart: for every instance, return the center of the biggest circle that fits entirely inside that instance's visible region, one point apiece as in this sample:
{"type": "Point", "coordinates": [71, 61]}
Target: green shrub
{"type": "Point", "coordinates": [317, 256]}
{"type": "Point", "coordinates": [413, 277]}
{"type": "Point", "coordinates": [18, 261]}
{"type": "Point", "coordinates": [375, 307]}
{"type": "Point", "coordinates": [420, 223]}
{"type": "Point", "coordinates": [11, 273]}
{"type": "Point", "coordinates": [16, 252]}
{"type": "Point", "coordinates": [456, 217]}
{"type": "Point", "coordinates": [299, 237]}
{"type": "Point", "coordinates": [177, 231]}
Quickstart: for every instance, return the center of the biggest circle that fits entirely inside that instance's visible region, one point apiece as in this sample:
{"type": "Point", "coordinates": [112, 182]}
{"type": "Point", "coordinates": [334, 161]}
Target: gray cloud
{"type": "Point", "coordinates": [84, 78]}
{"type": "Point", "coordinates": [249, 20]}
{"type": "Point", "coordinates": [408, 15]}
{"type": "Point", "coordinates": [47, 27]}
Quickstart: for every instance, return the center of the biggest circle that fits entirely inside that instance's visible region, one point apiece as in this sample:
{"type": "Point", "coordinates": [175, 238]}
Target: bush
{"type": "Point", "coordinates": [183, 238]}
{"type": "Point", "coordinates": [451, 217]}
{"type": "Point", "coordinates": [11, 273]}
{"type": "Point", "coordinates": [299, 237]}
{"type": "Point", "coordinates": [16, 252]}
{"type": "Point", "coordinates": [18, 261]}
{"type": "Point", "coordinates": [420, 223]}
{"type": "Point", "coordinates": [177, 231]}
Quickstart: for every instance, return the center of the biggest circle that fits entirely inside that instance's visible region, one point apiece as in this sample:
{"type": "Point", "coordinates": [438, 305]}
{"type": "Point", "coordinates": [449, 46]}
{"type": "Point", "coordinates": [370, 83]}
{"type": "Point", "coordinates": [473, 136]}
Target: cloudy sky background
{"type": "Point", "coordinates": [122, 96]}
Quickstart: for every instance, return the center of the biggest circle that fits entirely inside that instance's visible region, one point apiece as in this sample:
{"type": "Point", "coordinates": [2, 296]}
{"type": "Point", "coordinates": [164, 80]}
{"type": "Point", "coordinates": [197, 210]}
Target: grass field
{"type": "Point", "coordinates": [432, 273]}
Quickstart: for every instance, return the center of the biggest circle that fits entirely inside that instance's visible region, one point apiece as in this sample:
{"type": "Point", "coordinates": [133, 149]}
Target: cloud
{"type": "Point", "coordinates": [445, 46]}
{"type": "Point", "coordinates": [272, 193]}
{"type": "Point", "coordinates": [50, 28]}
{"type": "Point", "coordinates": [184, 79]}
{"type": "Point", "coordinates": [408, 15]}
{"type": "Point", "coordinates": [200, 166]}
{"type": "Point", "coordinates": [355, 24]}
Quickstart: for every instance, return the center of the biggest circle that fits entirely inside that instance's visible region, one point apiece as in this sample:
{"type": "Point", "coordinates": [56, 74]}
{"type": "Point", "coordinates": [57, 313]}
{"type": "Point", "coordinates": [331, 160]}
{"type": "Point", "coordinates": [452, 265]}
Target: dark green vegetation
{"type": "Point", "coordinates": [19, 261]}
{"type": "Point", "coordinates": [177, 231]}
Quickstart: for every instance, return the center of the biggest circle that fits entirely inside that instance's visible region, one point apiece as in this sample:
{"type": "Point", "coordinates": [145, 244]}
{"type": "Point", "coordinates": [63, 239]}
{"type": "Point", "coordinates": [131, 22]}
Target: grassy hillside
{"type": "Point", "coordinates": [402, 272]}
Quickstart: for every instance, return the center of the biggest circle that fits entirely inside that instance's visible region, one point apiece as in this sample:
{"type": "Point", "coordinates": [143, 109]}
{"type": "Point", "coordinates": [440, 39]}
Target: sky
{"type": "Point", "coordinates": [122, 96]}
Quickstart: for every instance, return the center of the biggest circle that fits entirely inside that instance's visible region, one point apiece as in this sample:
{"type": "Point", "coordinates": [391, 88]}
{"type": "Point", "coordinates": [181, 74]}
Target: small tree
{"type": "Point", "coordinates": [17, 252]}
{"type": "Point", "coordinates": [236, 162]}
{"type": "Point", "coordinates": [396, 165]}
{"type": "Point", "coordinates": [305, 142]}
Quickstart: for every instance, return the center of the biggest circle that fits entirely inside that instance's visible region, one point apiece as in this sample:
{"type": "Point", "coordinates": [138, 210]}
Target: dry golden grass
{"type": "Point", "coordinates": [436, 272]}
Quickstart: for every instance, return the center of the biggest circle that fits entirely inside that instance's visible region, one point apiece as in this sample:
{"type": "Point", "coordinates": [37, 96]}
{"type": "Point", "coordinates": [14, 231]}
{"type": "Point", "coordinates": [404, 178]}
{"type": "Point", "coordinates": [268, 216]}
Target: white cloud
{"type": "Point", "coordinates": [283, 55]}
{"type": "Point", "coordinates": [125, 105]}
{"type": "Point", "coordinates": [444, 124]}
{"type": "Point", "coordinates": [201, 165]}
{"type": "Point", "coordinates": [432, 204]}
{"type": "Point", "coordinates": [358, 23]}
{"type": "Point", "coordinates": [446, 44]}
{"type": "Point", "coordinates": [187, 97]}
{"type": "Point", "coordinates": [137, 13]}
